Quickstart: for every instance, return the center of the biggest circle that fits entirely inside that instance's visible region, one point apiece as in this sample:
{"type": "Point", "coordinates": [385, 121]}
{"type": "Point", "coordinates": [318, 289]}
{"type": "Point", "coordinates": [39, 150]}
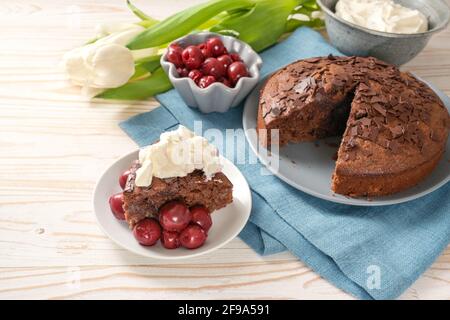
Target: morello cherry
{"type": "Point", "coordinates": [226, 82]}
{"type": "Point", "coordinates": [237, 70]}
{"type": "Point", "coordinates": [216, 46]}
{"type": "Point", "coordinates": [235, 57]}
{"type": "Point", "coordinates": [183, 72]}
{"type": "Point", "coordinates": [174, 56]}
{"type": "Point", "coordinates": [206, 81]}
{"type": "Point", "coordinates": [192, 237]}
{"type": "Point", "coordinates": [116, 205]}
{"type": "Point", "coordinates": [201, 217]}
{"type": "Point", "coordinates": [205, 51]}
{"type": "Point", "coordinates": [170, 240]}
{"type": "Point", "coordinates": [123, 179]}
{"type": "Point", "coordinates": [174, 216]}
{"type": "Point", "coordinates": [195, 75]}
{"type": "Point", "coordinates": [174, 45]}
{"type": "Point", "coordinates": [192, 57]}
{"type": "Point", "coordinates": [225, 60]}
{"type": "Point", "coordinates": [147, 232]}
{"type": "Point", "coordinates": [213, 67]}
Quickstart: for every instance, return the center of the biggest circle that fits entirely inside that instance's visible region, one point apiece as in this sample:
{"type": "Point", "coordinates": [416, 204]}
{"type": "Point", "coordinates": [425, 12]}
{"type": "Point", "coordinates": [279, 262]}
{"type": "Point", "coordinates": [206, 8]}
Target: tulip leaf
{"type": "Point", "coordinates": [139, 13]}
{"type": "Point", "coordinates": [184, 22]}
{"type": "Point", "coordinates": [156, 83]}
{"type": "Point", "coordinates": [262, 26]}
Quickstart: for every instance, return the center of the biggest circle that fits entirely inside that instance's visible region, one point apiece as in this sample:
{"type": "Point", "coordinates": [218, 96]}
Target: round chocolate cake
{"type": "Point", "coordinates": [394, 128]}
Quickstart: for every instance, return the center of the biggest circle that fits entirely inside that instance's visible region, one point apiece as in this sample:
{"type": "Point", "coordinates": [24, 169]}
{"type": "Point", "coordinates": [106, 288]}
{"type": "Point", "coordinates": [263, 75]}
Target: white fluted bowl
{"type": "Point", "coordinates": [217, 97]}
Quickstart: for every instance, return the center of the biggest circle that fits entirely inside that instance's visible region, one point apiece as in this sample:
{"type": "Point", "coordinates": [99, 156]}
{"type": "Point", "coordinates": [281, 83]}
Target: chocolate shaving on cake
{"type": "Point", "coordinates": [379, 108]}
{"type": "Point", "coordinates": [363, 87]}
{"type": "Point", "coordinates": [275, 111]}
{"type": "Point", "coordinates": [287, 85]}
{"type": "Point", "coordinates": [379, 122]}
{"type": "Point", "coordinates": [313, 60]}
{"type": "Point", "coordinates": [351, 143]}
{"type": "Point", "coordinates": [366, 122]}
{"type": "Point", "coordinates": [379, 99]}
{"type": "Point", "coordinates": [365, 133]}
{"type": "Point", "coordinates": [302, 86]}
{"type": "Point", "coordinates": [396, 131]}
{"type": "Point", "coordinates": [360, 114]}
{"type": "Point", "coordinates": [354, 131]}
{"type": "Point", "coordinates": [373, 133]}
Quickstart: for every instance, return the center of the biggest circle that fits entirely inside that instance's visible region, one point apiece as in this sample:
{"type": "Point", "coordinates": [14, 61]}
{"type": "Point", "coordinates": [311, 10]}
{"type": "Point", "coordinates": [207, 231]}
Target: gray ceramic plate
{"type": "Point", "coordinates": [309, 166]}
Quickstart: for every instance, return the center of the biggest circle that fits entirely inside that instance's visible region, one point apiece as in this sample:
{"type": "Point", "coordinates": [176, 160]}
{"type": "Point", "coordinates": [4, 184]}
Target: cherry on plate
{"type": "Point", "coordinates": [213, 67]}
{"type": "Point", "coordinates": [170, 240]}
{"type": "Point", "coordinates": [216, 46]}
{"type": "Point", "coordinates": [225, 60]}
{"type": "Point", "coordinates": [147, 232]}
{"type": "Point", "coordinates": [116, 205]}
{"type": "Point", "coordinates": [237, 70]}
{"type": "Point", "coordinates": [206, 81]}
{"type": "Point", "coordinates": [195, 75]}
{"type": "Point", "coordinates": [174, 216]}
{"type": "Point", "coordinates": [192, 237]}
{"type": "Point", "coordinates": [192, 57]}
{"type": "Point", "coordinates": [174, 56]}
{"type": "Point", "coordinates": [202, 217]}
{"type": "Point", "coordinates": [123, 179]}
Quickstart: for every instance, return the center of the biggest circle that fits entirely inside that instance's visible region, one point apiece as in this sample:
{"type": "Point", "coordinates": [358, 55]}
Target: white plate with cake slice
{"type": "Point", "coordinates": [309, 166]}
{"type": "Point", "coordinates": [227, 222]}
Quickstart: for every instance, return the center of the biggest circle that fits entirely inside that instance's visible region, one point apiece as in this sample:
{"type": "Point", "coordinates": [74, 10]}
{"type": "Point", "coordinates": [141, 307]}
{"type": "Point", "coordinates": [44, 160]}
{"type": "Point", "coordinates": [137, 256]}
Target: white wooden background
{"type": "Point", "coordinates": [53, 146]}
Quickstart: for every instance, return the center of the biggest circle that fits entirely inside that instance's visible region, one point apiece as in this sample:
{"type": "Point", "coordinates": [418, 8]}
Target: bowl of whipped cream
{"type": "Point", "coordinates": [393, 31]}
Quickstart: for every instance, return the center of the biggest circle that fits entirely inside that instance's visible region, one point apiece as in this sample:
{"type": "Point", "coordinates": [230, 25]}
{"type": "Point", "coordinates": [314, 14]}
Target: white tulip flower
{"type": "Point", "coordinates": [106, 63]}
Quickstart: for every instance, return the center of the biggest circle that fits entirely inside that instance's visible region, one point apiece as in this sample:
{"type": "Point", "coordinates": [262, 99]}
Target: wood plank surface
{"type": "Point", "coordinates": [54, 143]}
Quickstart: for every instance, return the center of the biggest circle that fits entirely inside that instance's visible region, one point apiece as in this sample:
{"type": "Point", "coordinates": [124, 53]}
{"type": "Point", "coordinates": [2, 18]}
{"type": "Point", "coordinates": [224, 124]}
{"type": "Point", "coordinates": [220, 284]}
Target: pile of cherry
{"type": "Point", "coordinates": [207, 63]}
{"type": "Point", "coordinates": [177, 225]}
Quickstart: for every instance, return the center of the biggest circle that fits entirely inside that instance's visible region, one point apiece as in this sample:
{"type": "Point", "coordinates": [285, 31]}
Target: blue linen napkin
{"type": "Point", "coordinates": [370, 252]}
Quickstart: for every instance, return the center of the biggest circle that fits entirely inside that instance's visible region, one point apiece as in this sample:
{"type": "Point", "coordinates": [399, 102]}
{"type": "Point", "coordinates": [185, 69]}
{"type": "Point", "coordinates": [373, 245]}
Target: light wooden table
{"type": "Point", "coordinates": [53, 146]}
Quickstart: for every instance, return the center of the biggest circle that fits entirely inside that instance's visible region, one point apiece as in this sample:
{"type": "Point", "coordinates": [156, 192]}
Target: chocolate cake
{"type": "Point", "coordinates": [394, 127]}
{"type": "Point", "coordinates": [193, 189]}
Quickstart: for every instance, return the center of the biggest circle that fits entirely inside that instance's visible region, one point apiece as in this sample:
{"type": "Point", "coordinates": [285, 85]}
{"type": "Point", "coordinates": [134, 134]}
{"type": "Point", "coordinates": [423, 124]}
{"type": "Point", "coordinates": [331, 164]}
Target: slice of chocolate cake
{"type": "Point", "coordinates": [193, 189]}
{"type": "Point", "coordinates": [180, 166]}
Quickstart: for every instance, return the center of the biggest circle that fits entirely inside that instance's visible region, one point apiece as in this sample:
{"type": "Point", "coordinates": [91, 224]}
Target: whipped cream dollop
{"type": "Point", "coordinates": [176, 154]}
{"type": "Point", "coordinates": [382, 15]}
